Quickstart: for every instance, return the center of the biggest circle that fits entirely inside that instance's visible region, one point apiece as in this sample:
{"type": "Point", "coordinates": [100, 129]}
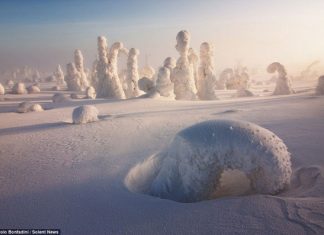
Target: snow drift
{"type": "Point", "coordinates": [190, 169]}
{"type": "Point", "coordinates": [85, 114]}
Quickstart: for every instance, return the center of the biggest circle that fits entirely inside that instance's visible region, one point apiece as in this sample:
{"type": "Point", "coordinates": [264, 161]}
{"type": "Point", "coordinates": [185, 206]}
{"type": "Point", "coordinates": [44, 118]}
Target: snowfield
{"type": "Point", "coordinates": [54, 174]}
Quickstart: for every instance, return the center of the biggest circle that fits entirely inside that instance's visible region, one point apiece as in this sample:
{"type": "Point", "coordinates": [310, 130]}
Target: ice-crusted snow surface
{"type": "Point", "coordinates": [54, 174]}
{"type": "Point", "coordinates": [85, 114]}
{"type": "Point", "coordinates": [190, 169]}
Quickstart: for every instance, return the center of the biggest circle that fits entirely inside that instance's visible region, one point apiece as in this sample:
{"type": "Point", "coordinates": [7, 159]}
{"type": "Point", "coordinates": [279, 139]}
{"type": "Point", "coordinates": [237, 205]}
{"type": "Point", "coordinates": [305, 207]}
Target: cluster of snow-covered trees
{"type": "Point", "coordinates": [192, 76]}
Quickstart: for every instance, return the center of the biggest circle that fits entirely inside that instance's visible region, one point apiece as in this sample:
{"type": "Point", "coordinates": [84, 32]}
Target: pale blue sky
{"type": "Point", "coordinates": [43, 33]}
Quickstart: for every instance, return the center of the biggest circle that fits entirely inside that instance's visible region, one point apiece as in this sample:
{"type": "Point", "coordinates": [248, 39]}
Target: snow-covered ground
{"type": "Point", "coordinates": [54, 174]}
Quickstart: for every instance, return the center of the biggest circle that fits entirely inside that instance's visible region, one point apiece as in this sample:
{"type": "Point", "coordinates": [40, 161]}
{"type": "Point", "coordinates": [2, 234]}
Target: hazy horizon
{"type": "Point", "coordinates": [43, 34]}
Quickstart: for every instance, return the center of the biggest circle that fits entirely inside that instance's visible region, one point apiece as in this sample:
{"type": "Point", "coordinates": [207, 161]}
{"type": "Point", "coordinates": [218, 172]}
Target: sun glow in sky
{"type": "Point", "coordinates": [255, 33]}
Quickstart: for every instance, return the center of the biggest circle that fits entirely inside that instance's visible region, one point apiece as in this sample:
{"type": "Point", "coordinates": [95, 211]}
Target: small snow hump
{"type": "Point", "coordinates": [191, 167]}
{"type": "Point", "coordinates": [85, 114]}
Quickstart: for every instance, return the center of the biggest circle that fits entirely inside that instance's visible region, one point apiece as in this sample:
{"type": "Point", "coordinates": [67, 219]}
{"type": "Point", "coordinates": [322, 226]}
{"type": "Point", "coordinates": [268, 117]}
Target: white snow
{"type": "Point", "coordinates": [85, 114]}
{"type": "Point", "coordinates": [57, 175]}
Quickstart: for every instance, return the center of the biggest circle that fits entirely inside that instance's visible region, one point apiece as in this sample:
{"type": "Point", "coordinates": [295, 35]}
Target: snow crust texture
{"type": "Point", "coordinates": [190, 168]}
{"type": "Point", "coordinates": [85, 114]}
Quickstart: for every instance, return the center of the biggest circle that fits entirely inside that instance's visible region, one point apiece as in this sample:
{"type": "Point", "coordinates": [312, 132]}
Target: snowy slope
{"type": "Point", "coordinates": [54, 174]}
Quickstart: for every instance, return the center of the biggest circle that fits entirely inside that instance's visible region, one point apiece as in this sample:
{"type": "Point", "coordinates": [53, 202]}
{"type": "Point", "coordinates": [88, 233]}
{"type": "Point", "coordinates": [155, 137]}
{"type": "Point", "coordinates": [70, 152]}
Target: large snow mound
{"type": "Point", "coordinates": [191, 167]}
{"type": "Point", "coordinates": [85, 114]}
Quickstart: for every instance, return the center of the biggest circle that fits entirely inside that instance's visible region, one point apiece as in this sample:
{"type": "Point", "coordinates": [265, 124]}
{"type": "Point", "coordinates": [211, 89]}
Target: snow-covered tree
{"type": "Point", "coordinates": [206, 82]}
{"type": "Point", "coordinates": [163, 83]}
{"type": "Point", "coordinates": [193, 60]}
{"type": "Point", "coordinates": [283, 84]}
{"type": "Point", "coordinates": [109, 84]}
{"type": "Point", "coordinates": [59, 76]}
{"type": "Point", "coordinates": [101, 68]}
{"type": "Point", "coordinates": [72, 78]}
{"type": "Point", "coordinates": [19, 88]}
{"type": "Point", "coordinates": [183, 74]}
{"type": "Point", "coordinates": [78, 61]}
{"type": "Point", "coordinates": [132, 75]}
